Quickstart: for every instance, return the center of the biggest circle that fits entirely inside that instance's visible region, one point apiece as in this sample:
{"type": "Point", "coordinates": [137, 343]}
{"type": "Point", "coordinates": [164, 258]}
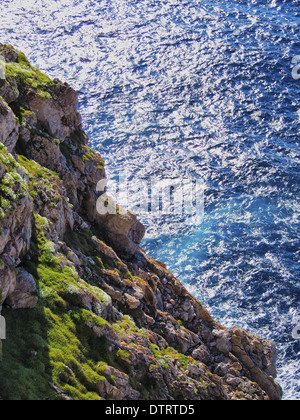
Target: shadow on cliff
{"type": "Point", "coordinates": [25, 370]}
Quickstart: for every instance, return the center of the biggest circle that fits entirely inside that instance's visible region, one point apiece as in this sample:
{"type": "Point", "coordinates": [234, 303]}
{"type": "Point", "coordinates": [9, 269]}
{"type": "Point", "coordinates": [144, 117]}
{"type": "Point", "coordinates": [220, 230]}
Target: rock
{"type": "Point", "coordinates": [195, 370]}
{"type": "Point", "coordinates": [59, 116]}
{"type": "Point", "coordinates": [45, 151]}
{"type": "Point", "coordinates": [201, 353]}
{"type": "Point", "coordinates": [7, 282]}
{"type": "Point", "coordinates": [108, 391]}
{"type": "Point", "coordinates": [24, 295]}
{"type": "Point", "coordinates": [222, 341]}
{"type": "Point", "coordinates": [245, 348]}
{"type": "Point", "coordinates": [235, 382]}
{"type": "Point", "coordinates": [9, 91]}
{"type": "Point", "coordinates": [222, 369]}
{"type": "Point", "coordinates": [9, 53]}
{"type": "Point", "coordinates": [123, 232]}
{"type": "Point", "coordinates": [122, 382]}
{"type": "Point", "coordinates": [131, 301]}
{"type": "Point", "coordinates": [104, 249]}
{"type": "Point", "coordinates": [104, 330]}
{"type": "Point", "coordinates": [16, 229]}
{"type": "Point", "coordinates": [9, 131]}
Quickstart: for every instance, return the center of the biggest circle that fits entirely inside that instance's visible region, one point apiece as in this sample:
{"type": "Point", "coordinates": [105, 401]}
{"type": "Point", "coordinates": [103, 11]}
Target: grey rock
{"type": "Point", "coordinates": [24, 295]}
{"type": "Point", "coordinates": [9, 131]}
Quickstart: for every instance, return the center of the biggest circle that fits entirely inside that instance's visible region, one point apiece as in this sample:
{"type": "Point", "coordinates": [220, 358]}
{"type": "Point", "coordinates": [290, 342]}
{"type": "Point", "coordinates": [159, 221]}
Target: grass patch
{"type": "Point", "coordinates": [28, 76]}
{"type": "Point", "coordinates": [13, 187]}
{"type": "Point", "coordinates": [52, 344]}
{"type": "Point", "coordinates": [44, 185]}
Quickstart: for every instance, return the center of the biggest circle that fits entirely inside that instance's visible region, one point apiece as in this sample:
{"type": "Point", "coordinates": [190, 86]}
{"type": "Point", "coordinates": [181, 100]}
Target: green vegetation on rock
{"type": "Point", "coordinates": [28, 77]}
{"type": "Point", "coordinates": [13, 187]}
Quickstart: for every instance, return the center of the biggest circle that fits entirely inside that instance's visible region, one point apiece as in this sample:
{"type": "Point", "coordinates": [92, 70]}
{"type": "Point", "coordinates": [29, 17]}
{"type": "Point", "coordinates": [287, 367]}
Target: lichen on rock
{"type": "Point", "coordinates": [93, 316]}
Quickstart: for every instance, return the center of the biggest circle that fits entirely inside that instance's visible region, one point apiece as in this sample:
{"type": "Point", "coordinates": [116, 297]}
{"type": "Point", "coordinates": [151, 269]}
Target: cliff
{"type": "Point", "coordinates": [89, 314]}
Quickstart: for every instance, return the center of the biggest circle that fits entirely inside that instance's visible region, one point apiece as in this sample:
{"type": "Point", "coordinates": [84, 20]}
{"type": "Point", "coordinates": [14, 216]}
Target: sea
{"type": "Point", "coordinates": [195, 107]}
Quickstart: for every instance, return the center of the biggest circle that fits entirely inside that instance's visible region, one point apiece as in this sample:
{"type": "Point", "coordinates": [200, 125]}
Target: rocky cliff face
{"type": "Point", "coordinates": [89, 314]}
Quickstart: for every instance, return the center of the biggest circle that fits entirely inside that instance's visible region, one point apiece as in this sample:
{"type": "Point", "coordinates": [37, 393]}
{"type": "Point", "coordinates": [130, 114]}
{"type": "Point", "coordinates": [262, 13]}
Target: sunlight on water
{"type": "Point", "coordinates": [200, 89]}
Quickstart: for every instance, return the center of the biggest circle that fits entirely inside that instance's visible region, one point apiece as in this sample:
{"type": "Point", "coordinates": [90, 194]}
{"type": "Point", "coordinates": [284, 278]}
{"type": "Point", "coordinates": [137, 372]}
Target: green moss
{"type": "Point", "coordinates": [163, 355]}
{"type": "Point", "coordinates": [3, 109]}
{"type": "Point", "coordinates": [26, 360]}
{"type": "Point", "coordinates": [44, 185]}
{"type": "Point", "coordinates": [91, 155]}
{"type": "Point", "coordinates": [81, 241]}
{"type": "Point", "coordinates": [36, 170]}
{"type": "Point", "coordinates": [22, 59]}
{"type": "Point", "coordinates": [28, 77]}
{"type": "Point", "coordinates": [52, 344]}
{"type": "Point", "coordinates": [123, 354]}
{"type": "Point", "coordinates": [12, 186]}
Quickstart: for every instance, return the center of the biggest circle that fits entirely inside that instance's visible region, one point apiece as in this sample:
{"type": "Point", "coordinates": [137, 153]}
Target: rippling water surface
{"type": "Point", "coordinates": [202, 89]}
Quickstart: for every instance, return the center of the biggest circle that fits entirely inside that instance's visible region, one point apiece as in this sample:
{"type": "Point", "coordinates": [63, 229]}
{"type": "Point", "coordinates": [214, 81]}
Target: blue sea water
{"type": "Point", "coordinates": [206, 89]}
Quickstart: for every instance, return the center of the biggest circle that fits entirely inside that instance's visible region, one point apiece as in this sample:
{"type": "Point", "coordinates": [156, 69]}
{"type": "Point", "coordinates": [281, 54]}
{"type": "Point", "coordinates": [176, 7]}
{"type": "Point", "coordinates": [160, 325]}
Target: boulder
{"type": "Point", "coordinates": [223, 341]}
{"type": "Point", "coordinates": [57, 111]}
{"type": "Point", "coordinates": [16, 229]}
{"type": "Point", "coordinates": [24, 295]}
{"type": "Point", "coordinates": [9, 91]}
{"type": "Point", "coordinates": [258, 356]}
{"type": "Point", "coordinates": [123, 232]}
{"type": "Point", "coordinates": [9, 131]}
{"type": "Point", "coordinates": [131, 301]}
{"type": "Point", "coordinates": [7, 282]}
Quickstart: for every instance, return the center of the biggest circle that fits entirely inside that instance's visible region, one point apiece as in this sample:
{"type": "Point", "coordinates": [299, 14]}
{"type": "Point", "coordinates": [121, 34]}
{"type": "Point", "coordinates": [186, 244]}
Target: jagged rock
{"type": "Point", "coordinates": [223, 341]}
{"type": "Point", "coordinates": [123, 231]}
{"type": "Point", "coordinates": [7, 282]}
{"type": "Point", "coordinates": [44, 150]}
{"type": "Point", "coordinates": [131, 301]}
{"type": "Point", "coordinates": [24, 295]}
{"type": "Point", "coordinates": [104, 249]}
{"type": "Point", "coordinates": [9, 53]}
{"type": "Point", "coordinates": [110, 391]}
{"type": "Point", "coordinates": [258, 356]}
{"type": "Point", "coordinates": [59, 116]}
{"type": "Point", "coordinates": [122, 383]}
{"type": "Point", "coordinates": [9, 131]}
{"type": "Point", "coordinates": [201, 353]}
{"type": "Point", "coordinates": [16, 229]}
{"type": "Point", "coordinates": [9, 91]}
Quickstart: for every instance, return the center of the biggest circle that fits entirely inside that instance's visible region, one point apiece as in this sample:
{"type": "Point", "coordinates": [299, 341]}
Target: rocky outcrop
{"type": "Point", "coordinates": [25, 291]}
{"type": "Point", "coordinates": [57, 111]}
{"type": "Point", "coordinates": [9, 131]}
{"type": "Point", "coordinates": [15, 220]}
{"type": "Point", "coordinates": [93, 315]}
